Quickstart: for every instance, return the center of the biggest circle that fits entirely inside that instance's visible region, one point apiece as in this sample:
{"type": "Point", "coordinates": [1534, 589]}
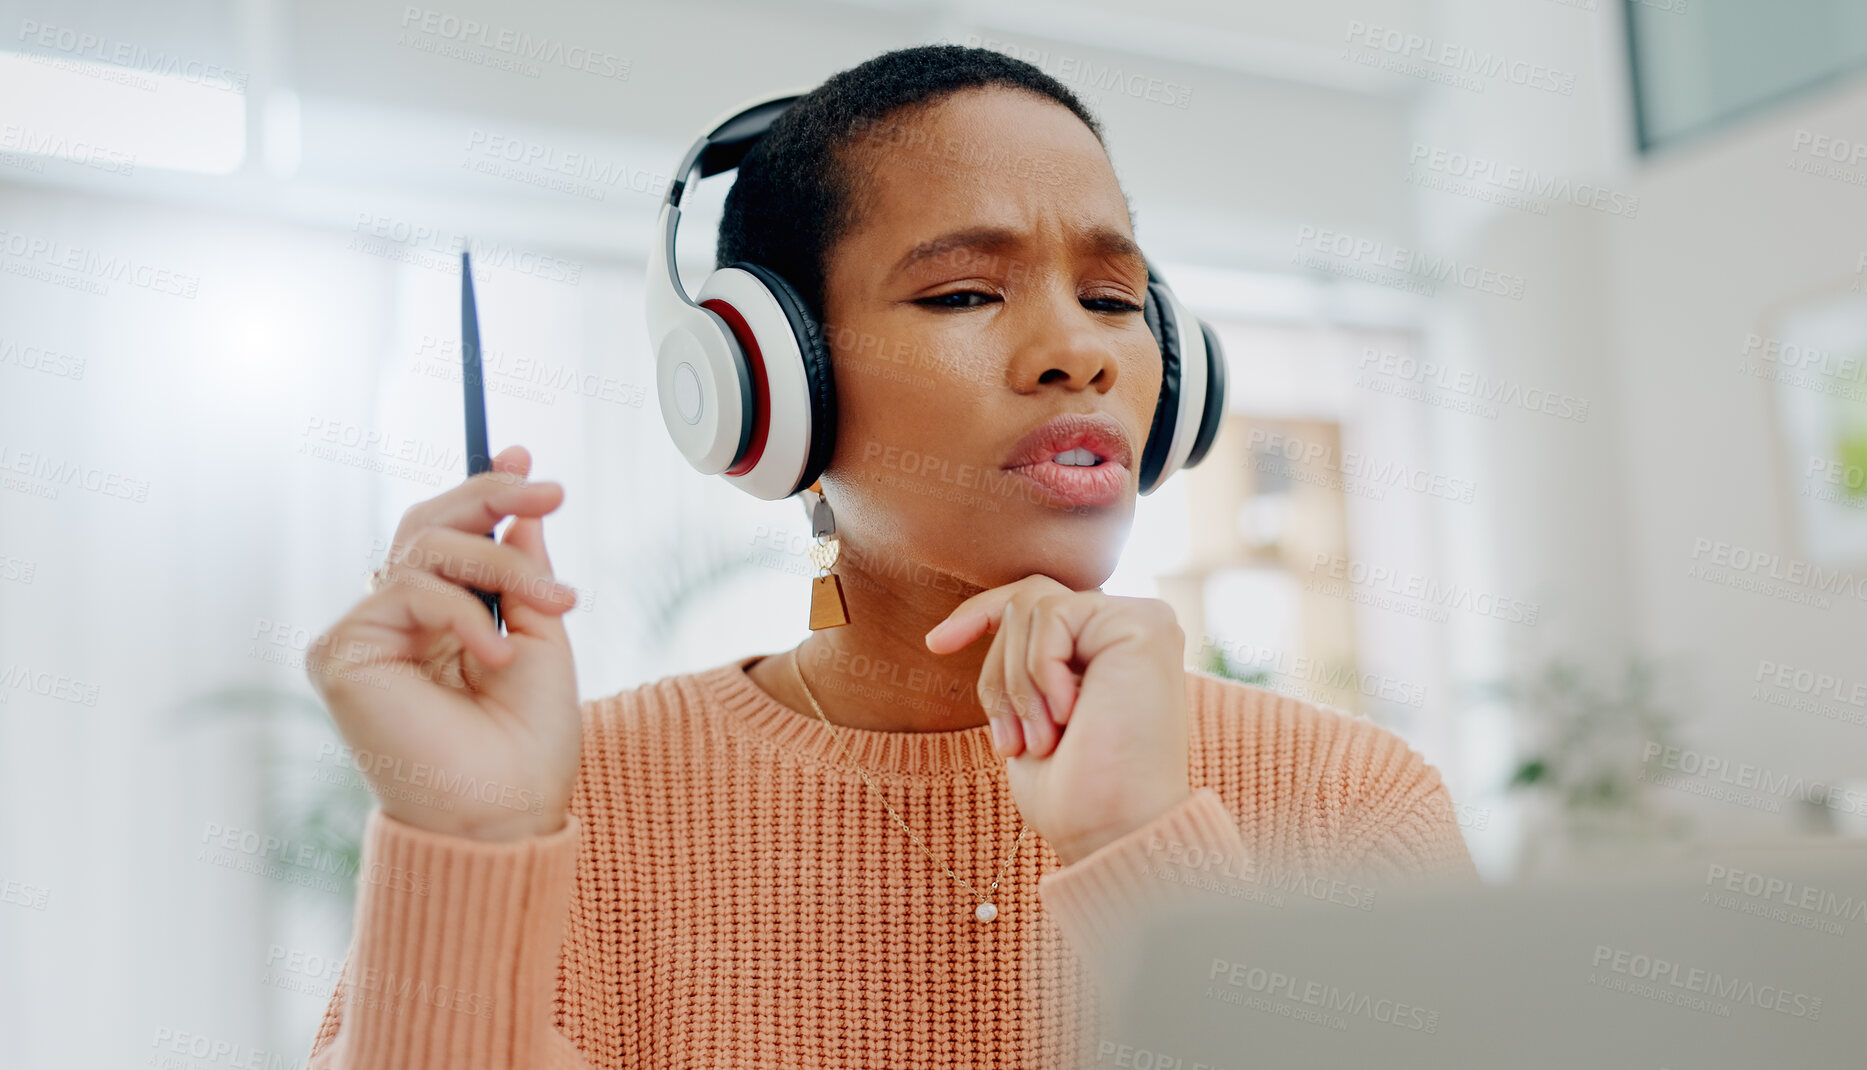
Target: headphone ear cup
{"type": "Point", "coordinates": [820, 383]}
{"type": "Point", "coordinates": [1214, 412]}
{"type": "Point", "coordinates": [1156, 310]}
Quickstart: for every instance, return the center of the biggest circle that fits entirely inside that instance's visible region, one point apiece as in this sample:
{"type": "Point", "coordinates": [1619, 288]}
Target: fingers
{"type": "Point", "coordinates": [1013, 743]}
{"type": "Point", "coordinates": [483, 564]}
{"type": "Point", "coordinates": [957, 632]}
{"type": "Point", "coordinates": [1007, 735]}
{"type": "Point", "coordinates": [526, 536]}
{"type": "Point", "coordinates": [515, 459]}
{"type": "Point", "coordinates": [403, 622]}
{"type": "Point", "coordinates": [1021, 719]}
{"type": "Point", "coordinates": [428, 610]}
{"type": "Point", "coordinates": [980, 614]}
{"type": "Point", "coordinates": [480, 502]}
{"type": "Point", "coordinates": [1007, 690]}
{"type": "Point", "coordinates": [1040, 733]}
{"type": "Point", "coordinates": [1050, 651]}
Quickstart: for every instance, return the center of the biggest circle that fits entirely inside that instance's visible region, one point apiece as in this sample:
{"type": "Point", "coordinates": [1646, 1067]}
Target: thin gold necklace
{"type": "Point", "coordinates": [986, 910]}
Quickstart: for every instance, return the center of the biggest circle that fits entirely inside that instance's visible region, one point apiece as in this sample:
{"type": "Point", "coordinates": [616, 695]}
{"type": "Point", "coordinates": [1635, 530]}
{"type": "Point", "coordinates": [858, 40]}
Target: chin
{"type": "Point", "coordinates": [1076, 566]}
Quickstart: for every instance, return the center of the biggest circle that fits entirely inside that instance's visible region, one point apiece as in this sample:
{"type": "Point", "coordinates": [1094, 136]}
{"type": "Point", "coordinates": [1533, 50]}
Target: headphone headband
{"type": "Point", "coordinates": [725, 146]}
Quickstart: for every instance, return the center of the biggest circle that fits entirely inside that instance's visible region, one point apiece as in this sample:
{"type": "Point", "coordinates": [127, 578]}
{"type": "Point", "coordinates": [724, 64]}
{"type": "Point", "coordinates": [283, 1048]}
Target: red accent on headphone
{"type": "Point", "coordinates": [761, 389]}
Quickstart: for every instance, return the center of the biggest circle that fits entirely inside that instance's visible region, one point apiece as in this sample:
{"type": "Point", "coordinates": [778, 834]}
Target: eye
{"type": "Point", "coordinates": [1110, 304]}
{"type": "Point", "coordinates": [957, 299]}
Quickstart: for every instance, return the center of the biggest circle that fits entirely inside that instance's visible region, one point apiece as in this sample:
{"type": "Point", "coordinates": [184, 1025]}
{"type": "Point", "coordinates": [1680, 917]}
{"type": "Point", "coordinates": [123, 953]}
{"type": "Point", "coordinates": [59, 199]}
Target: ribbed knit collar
{"type": "Point", "coordinates": [920, 754]}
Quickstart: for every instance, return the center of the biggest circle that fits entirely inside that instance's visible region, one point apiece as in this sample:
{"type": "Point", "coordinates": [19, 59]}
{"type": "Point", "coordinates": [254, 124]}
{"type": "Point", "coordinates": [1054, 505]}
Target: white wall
{"type": "Point", "coordinates": [1645, 314]}
{"type": "Point", "coordinates": [1733, 234]}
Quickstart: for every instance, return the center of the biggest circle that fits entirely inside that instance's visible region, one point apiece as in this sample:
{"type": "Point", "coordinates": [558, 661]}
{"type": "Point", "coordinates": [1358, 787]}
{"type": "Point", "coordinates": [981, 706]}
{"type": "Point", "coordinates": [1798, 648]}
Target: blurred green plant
{"type": "Point", "coordinates": [1585, 735]}
{"type": "Point", "coordinates": [1212, 659]}
{"type": "Point", "coordinates": [324, 812]}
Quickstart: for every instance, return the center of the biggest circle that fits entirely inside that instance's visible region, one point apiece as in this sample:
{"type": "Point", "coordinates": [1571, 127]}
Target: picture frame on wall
{"type": "Point", "coordinates": [1813, 353]}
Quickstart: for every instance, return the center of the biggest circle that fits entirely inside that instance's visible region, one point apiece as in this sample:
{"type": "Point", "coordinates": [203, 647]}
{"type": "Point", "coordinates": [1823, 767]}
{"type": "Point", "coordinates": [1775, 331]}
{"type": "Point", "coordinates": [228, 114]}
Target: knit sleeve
{"type": "Point", "coordinates": [1096, 900]}
{"type": "Point", "coordinates": [1405, 827]}
{"type": "Point", "coordinates": [453, 960]}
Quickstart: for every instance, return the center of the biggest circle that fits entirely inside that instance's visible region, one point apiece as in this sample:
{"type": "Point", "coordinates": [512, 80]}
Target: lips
{"type": "Point", "coordinates": [1104, 483]}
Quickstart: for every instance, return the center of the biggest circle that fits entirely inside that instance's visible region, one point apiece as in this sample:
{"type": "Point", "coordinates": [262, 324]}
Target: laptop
{"type": "Point", "coordinates": [1733, 956]}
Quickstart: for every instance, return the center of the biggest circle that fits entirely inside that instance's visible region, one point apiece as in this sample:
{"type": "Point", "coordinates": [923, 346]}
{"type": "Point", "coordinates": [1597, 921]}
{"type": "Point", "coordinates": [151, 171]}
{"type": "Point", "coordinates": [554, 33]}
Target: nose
{"type": "Point", "coordinates": [1062, 342]}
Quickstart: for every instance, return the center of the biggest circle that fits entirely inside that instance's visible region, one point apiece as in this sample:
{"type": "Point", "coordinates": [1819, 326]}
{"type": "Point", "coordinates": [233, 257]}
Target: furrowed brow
{"type": "Point", "coordinates": [1116, 245]}
{"type": "Point", "coordinates": [1100, 241]}
{"type": "Point", "coordinates": [977, 239]}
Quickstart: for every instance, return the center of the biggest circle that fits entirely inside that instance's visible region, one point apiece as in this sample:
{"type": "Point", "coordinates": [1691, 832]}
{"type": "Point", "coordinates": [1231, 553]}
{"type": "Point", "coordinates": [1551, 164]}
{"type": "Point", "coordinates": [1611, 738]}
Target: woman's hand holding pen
{"type": "Point", "coordinates": [1090, 691]}
{"type": "Point", "coordinates": [461, 730]}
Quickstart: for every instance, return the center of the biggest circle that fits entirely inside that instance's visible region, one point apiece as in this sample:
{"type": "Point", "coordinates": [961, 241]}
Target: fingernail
{"type": "Point", "coordinates": [1001, 735]}
{"type": "Point", "coordinates": [561, 593]}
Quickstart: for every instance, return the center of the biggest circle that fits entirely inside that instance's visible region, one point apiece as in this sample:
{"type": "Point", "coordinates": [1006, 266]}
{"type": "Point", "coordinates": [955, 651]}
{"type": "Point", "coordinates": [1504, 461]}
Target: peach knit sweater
{"type": "Point", "coordinates": [727, 894]}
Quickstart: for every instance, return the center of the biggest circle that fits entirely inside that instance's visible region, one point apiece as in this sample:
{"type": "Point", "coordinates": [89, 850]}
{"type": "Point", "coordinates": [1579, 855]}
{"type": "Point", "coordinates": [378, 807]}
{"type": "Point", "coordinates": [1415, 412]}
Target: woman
{"type": "Point", "coordinates": [905, 842]}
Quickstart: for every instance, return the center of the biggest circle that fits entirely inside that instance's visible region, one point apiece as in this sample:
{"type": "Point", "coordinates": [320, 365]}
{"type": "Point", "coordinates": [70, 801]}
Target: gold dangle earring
{"type": "Point", "coordinates": [827, 608]}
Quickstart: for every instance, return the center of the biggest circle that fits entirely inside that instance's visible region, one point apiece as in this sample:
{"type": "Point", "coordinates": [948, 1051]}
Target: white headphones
{"type": "Point", "coordinates": [744, 376]}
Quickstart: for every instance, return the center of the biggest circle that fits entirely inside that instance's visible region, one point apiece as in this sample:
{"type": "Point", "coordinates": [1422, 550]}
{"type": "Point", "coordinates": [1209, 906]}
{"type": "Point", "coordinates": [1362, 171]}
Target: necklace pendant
{"type": "Point", "coordinates": [986, 912]}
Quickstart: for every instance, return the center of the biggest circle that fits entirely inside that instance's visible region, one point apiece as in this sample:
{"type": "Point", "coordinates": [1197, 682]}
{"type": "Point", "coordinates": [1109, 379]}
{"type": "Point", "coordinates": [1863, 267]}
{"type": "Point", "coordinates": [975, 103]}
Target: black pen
{"type": "Point", "coordinates": [479, 456]}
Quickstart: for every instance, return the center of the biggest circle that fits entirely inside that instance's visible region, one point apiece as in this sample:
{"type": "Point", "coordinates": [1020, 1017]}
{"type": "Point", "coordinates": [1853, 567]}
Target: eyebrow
{"type": "Point", "coordinates": [1100, 240]}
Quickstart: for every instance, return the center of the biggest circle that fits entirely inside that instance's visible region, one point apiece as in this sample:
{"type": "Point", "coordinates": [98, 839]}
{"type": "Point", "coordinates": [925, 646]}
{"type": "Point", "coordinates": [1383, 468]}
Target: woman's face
{"type": "Point", "coordinates": [990, 283]}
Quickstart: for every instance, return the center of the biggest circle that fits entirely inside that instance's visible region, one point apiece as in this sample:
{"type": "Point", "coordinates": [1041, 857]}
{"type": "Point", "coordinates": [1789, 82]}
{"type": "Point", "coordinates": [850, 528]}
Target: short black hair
{"type": "Point", "coordinates": [794, 195]}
